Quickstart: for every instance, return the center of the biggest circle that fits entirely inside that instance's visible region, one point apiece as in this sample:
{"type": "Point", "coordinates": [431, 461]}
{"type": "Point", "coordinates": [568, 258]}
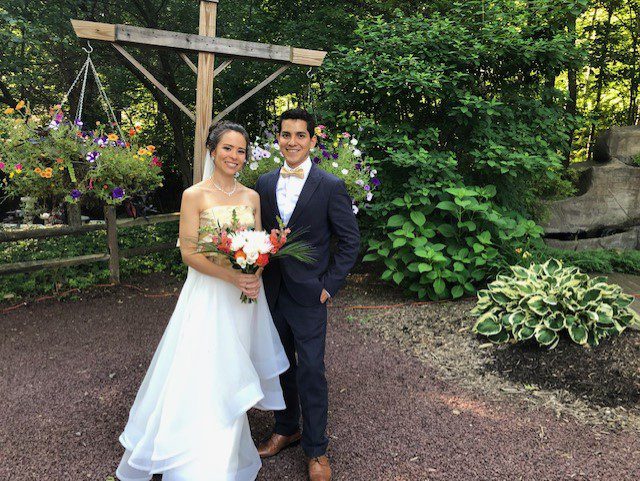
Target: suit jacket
{"type": "Point", "coordinates": [324, 209]}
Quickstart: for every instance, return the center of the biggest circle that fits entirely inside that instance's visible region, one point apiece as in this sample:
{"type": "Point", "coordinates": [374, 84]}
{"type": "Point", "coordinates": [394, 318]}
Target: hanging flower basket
{"type": "Point", "coordinates": [60, 162]}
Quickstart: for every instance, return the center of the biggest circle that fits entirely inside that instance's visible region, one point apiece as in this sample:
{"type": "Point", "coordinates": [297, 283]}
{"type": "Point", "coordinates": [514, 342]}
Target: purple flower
{"type": "Point", "coordinates": [59, 116]}
{"type": "Point", "coordinates": [367, 188]}
{"type": "Point", "coordinates": [316, 160]}
{"type": "Point", "coordinates": [358, 166]}
{"type": "Point", "coordinates": [78, 122]}
{"type": "Point", "coordinates": [117, 193]}
{"type": "Point", "coordinates": [326, 154]}
{"type": "Point", "coordinates": [334, 155]}
{"type": "Point", "coordinates": [101, 141]}
{"type": "Point", "coordinates": [322, 147]}
{"type": "Point", "coordinates": [75, 194]}
{"type": "Point", "coordinates": [92, 156]}
{"type": "Point", "coordinates": [375, 182]}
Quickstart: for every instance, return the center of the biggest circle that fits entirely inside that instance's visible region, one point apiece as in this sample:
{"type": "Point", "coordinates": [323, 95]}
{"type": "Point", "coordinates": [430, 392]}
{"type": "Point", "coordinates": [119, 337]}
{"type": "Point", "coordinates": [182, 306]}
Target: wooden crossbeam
{"type": "Point", "coordinates": [188, 61]}
{"type": "Point", "coordinates": [221, 67]}
{"type": "Point", "coordinates": [251, 92]}
{"type": "Point", "coordinates": [196, 43]}
{"type": "Point", "coordinates": [153, 80]}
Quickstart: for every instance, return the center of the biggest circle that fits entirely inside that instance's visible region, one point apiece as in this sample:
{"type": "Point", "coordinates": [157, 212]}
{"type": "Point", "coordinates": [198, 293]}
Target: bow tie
{"type": "Point", "coordinates": [297, 172]}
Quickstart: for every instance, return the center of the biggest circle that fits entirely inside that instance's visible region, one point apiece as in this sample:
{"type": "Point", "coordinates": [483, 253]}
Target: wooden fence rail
{"type": "Point", "coordinates": [113, 256]}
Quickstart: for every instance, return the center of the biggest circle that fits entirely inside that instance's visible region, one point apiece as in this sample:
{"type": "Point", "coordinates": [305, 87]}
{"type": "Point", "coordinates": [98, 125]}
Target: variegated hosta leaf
{"type": "Point", "coordinates": [555, 321]}
{"type": "Point", "coordinates": [578, 334]}
{"type": "Point", "coordinates": [488, 327]}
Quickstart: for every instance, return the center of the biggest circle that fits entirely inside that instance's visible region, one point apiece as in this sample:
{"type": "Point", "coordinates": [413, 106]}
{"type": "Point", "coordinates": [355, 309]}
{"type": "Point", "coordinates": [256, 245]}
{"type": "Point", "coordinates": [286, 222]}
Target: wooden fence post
{"type": "Point", "coordinates": [112, 243]}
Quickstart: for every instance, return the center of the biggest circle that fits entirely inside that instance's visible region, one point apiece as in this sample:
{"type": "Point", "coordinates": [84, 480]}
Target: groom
{"type": "Point", "coordinates": [305, 197]}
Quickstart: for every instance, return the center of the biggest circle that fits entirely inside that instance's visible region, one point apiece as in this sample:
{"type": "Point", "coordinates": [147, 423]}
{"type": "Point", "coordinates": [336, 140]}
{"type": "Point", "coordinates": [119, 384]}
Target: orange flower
{"type": "Point", "coordinates": [9, 110]}
{"type": "Point", "coordinates": [48, 169]}
{"type": "Point", "coordinates": [138, 128]}
{"type": "Point", "coordinates": [240, 254]}
{"type": "Point", "coordinates": [105, 186]}
{"type": "Point", "coordinates": [37, 170]}
{"type": "Point", "coordinates": [47, 175]}
{"type": "Point", "coordinates": [132, 131]}
{"type": "Point", "coordinates": [59, 160]}
{"type": "Point", "coordinates": [112, 137]}
{"type": "Point", "coordinates": [151, 148]}
{"type": "Point", "coordinates": [127, 145]}
{"type": "Point", "coordinates": [263, 260]}
{"type": "Point", "coordinates": [20, 105]}
{"type": "Point", "coordinates": [142, 151]}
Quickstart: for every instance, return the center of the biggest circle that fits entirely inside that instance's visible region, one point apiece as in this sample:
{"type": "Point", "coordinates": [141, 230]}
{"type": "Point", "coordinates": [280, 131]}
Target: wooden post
{"type": "Point", "coordinates": [74, 217]}
{"type": "Point", "coordinates": [204, 91]}
{"type": "Point", "coordinates": [112, 243]}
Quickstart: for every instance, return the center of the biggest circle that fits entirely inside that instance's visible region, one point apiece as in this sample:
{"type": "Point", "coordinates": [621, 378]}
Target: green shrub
{"type": "Point", "coordinates": [545, 300]}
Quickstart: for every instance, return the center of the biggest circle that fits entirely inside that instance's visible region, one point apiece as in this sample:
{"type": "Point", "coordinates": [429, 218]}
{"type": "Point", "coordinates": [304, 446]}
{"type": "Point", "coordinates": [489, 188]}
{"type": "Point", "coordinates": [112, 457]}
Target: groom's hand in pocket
{"type": "Point", "coordinates": [325, 296]}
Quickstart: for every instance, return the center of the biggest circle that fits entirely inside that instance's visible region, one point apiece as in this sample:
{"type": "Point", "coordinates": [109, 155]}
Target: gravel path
{"type": "Point", "coordinates": [69, 372]}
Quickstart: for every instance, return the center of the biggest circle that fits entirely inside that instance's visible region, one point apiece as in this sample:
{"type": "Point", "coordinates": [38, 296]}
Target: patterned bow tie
{"type": "Point", "coordinates": [297, 172]}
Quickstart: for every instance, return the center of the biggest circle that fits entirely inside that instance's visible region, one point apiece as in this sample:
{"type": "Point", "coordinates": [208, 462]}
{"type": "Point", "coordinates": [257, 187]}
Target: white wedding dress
{"type": "Point", "coordinates": [218, 358]}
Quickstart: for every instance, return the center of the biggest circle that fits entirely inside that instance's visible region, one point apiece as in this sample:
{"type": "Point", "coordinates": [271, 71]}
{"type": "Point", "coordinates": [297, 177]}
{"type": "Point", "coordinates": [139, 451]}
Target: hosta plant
{"type": "Point", "coordinates": [546, 300]}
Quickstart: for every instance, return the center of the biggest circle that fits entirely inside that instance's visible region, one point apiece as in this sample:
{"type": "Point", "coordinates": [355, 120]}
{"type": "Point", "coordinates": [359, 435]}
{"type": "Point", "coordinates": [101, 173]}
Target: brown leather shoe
{"type": "Point", "coordinates": [319, 469]}
{"type": "Point", "coordinates": [276, 443]}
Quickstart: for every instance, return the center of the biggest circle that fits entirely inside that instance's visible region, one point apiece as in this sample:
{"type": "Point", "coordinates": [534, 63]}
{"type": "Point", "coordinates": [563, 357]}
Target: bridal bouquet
{"type": "Point", "coordinates": [249, 250]}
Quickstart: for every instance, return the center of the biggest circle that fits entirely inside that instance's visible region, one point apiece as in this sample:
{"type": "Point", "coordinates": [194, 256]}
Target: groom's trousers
{"type": "Point", "coordinates": [303, 331]}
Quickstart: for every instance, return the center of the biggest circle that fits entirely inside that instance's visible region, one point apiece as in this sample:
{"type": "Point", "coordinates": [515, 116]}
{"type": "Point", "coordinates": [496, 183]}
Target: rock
{"type": "Point", "coordinates": [627, 240]}
{"type": "Point", "coordinates": [611, 202]}
{"type": "Point", "coordinates": [622, 143]}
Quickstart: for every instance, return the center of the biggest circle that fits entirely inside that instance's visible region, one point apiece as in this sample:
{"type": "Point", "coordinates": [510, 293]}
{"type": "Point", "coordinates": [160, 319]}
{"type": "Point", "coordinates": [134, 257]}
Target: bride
{"type": "Point", "coordinates": [218, 357]}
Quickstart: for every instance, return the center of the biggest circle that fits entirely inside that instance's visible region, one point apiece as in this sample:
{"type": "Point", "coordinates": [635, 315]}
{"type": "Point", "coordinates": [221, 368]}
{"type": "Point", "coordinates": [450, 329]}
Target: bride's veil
{"type": "Point", "coordinates": [208, 166]}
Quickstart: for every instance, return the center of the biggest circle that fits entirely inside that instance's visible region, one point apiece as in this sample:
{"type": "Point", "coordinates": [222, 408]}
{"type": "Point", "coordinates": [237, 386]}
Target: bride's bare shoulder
{"type": "Point", "coordinates": [193, 194]}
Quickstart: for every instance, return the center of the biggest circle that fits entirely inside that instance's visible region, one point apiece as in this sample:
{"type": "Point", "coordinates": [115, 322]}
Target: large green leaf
{"type": "Point", "coordinates": [546, 337]}
{"type": "Point", "coordinates": [487, 327]}
{"type": "Point", "coordinates": [418, 218]}
{"type": "Point", "coordinates": [578, 334]}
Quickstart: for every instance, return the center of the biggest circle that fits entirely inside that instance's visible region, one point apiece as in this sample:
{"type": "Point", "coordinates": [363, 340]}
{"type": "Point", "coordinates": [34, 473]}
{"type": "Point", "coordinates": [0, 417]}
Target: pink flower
{"type": "Point", "coordinates": [18, 166]}
{"type": "Point", "coordinates": [1, 165]}
{"type": "Point", "coordinates": [346, 135]}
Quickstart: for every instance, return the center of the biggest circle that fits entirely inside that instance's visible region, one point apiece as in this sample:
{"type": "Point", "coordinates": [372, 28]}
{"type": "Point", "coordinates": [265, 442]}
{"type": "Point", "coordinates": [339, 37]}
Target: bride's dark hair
{"type": "Point", "coordinates": [218, 130]}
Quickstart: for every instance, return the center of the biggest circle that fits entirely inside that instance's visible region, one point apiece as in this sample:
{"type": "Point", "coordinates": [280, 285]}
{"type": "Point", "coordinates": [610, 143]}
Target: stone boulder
{"type": "Point", "coordinates": [628, 240]}
{"type": "Point", "coordinates": [622, 143]}
{"type": "Point", "coordinates": [611, 203]}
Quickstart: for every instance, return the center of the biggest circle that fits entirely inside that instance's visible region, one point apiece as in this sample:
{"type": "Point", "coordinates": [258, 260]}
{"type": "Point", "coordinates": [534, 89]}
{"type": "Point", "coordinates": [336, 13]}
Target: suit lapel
{"type": "Point", "coordinates": [271, 193]}
{"type": "Point", "coordinates": [308, 189]}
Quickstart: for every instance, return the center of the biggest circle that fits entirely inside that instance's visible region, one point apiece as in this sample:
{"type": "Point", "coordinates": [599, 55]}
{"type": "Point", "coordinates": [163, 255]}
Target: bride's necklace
{"type": "Point", "coordinates": [235, 185]}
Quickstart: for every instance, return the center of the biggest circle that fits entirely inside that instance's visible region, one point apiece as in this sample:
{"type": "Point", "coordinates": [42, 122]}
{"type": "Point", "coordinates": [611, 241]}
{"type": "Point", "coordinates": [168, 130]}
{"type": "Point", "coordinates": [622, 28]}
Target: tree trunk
{"type": "Point", "coordinates": [572, 82]}
{"type": "Point", "coordinates": [602, 70]}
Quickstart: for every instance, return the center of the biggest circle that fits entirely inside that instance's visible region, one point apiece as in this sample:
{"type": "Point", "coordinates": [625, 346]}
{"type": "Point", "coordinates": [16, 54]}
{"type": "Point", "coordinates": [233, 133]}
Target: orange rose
{"type": "Point", "coordinates": [240, 254]}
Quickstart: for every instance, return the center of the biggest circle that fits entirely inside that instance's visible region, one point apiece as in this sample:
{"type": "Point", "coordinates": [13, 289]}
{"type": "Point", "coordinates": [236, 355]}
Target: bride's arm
{"type": "Point", "coordinates": [189, 225]}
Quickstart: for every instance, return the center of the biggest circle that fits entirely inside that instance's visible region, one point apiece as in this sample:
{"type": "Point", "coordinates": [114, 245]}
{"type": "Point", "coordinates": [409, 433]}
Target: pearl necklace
{"type": "Point", "coordinates": [235, 185]}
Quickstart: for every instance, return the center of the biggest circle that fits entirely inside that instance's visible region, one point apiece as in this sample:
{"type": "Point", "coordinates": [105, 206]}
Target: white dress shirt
{"type": "Point", "coordinates": [288, 190]}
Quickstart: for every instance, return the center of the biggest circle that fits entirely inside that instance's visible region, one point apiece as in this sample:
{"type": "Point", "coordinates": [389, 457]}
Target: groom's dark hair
{"type": "Point", "coordinates": [299, 114]}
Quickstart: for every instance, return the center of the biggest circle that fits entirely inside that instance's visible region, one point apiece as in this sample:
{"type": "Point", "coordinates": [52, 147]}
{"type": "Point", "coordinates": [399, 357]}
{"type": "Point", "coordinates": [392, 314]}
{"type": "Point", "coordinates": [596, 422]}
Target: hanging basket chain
{"type": "Point", "coordinates": [104, 99]}
{"type": "Point", "coordinates": [82, 91]}
{"type": "Point", "coordinates": [106, 105]}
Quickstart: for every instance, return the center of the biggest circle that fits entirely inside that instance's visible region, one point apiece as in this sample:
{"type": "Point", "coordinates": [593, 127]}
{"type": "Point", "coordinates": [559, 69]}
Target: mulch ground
{"type": "Point", "coordinates": [69, 372]}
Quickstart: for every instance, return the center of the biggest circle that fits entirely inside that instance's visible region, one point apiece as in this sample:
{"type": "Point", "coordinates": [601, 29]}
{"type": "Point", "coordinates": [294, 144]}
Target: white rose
{"type": "Point", "coordinates": [357, 153]}
{"type": "Point", "coordinates": [253, 166]}
{"type": "Point", "coordinates": [242, 262]}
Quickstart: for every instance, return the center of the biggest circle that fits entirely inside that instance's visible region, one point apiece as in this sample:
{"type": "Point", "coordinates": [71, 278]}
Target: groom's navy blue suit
{"type": "Point", "coordinates": [293, 291]}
